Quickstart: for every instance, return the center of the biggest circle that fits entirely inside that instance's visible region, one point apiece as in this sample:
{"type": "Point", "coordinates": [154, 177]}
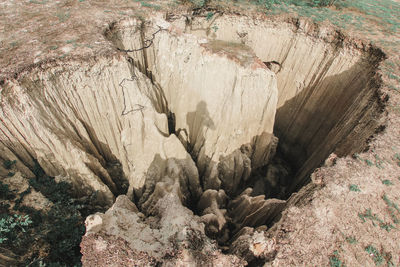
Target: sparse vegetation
{"type": "Point", "coordinates": [319, 10]}
{"type": "Point", "coordinates": [387, 182]}
{"type": "Point", "coordinates": [354, 188]}
{"type": "Point", "coordinates": [378, 161]}
{"type": "Point", "coordinates": [375, 220]}
{"type": "Point", "coordinates": [11, 225]}
{"type": "Point", "coordinates": [392, 208]}
{"type": "Point", "coordinates": [351, 240]}
{"type": "Point", "coordinates": [334, 260]}
{"type": "Point", "coordinates": [379, 257]}
{"type": "Point", "coordinates": [374, 253]}
{"type": "Point", "coordinates": [397, 158]}
{"type": "Point", "coordinates": [5, 192]}
{"type": "Point", "coordinates": [61, 227]}
{"type": "Point", "coordinates": [8, 164]}
{"type": "Point", "coordinates": [63, 16]}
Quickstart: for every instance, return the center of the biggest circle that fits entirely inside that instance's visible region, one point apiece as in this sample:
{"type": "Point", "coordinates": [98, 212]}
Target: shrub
{"type": "Point", "coordinates": [5, 192]}
{"type": "Point", "coordinates": [11, 225]}
{"type": "Point", "coordinates": [9, 163]}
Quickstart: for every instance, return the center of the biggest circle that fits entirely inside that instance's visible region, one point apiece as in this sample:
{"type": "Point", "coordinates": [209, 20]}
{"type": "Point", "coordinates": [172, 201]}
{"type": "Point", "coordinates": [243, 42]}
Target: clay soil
{"type": "Point", "coordinates": [349, 214]}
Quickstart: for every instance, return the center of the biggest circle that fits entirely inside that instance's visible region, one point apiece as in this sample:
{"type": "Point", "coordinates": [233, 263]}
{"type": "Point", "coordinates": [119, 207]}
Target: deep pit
{"type": "Point", "coordinates": [228, 121]}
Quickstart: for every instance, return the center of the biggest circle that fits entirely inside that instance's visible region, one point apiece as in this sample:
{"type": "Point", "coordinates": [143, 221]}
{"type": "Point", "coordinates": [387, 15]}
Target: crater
{"type": "Point", "coordinates": [227, 118]}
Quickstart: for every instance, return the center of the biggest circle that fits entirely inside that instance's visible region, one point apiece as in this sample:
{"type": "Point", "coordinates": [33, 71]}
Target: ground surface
{"type": "Point", "coordinates": [352, 214]}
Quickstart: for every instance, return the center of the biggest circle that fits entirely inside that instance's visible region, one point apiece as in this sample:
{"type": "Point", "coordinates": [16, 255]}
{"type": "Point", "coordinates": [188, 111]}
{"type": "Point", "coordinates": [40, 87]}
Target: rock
{"type": "Point", "coordinates": [31, 198]}
{"type": "Point", "coordinates": [253, 245]}
{"type": "Point", "coordinates": [212, 207]}
{"type": "Point", "coordinates": [178, 238]}
{"type": "Point", "coordinates": [246, 210]}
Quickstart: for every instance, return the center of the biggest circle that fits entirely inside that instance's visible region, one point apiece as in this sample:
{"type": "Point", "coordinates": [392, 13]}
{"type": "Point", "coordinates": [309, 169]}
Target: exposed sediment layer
{"type": "Point", "coordinates": [327, 85]}
{"type": "Point", "coordinates": [210, 88]}
{"type": "Point", "coordinates": [184, 117]}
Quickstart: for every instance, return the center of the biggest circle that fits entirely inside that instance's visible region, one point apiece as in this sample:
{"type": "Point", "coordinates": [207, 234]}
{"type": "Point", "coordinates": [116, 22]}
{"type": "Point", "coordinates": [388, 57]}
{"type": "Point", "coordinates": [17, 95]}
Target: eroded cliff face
{"type": "Point", "coordinates": [209, 88]}
{"type": "Point", "coordinates": [327, 85]}
{"type": "Point", "coordinates": [180, 125]}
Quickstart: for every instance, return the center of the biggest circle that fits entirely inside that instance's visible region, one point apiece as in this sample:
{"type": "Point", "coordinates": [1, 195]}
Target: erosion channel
{"type": "Point", "coordinates": [194, 136]}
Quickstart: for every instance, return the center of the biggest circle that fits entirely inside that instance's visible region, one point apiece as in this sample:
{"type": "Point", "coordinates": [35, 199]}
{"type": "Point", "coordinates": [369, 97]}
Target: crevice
{"type": "Point", "coordinates": [221, 161]}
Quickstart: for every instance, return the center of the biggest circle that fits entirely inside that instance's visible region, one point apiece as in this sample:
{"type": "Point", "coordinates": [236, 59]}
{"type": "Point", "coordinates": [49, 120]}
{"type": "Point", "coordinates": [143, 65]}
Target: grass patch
{"type": "Point", "coordinates": [392, 208]}
{"type": "Point", "coordinates": [63, 16]}
{"type": "Point", "coordinates": [149, 5]}
{"type": "Point", "coordinates": [351, 240]}
{"type": "Point", "coordinates": [209, 15]}
{"type": "Point", "coordinates": [374, 253]}
{"type": "Point", "coordinates": [367, 215]}
{"type": "Point", "coordinates": [383, 13]}
{"type": "Point", "coordinates": [379, 257]}
{"type": "Point", "coordinates": [354, 188]}
{"type": "Point", "coordinates": [387, 182]}
{"type": "Point", "coordinates": [334, 260]}
{"type": "Point", "coordinates": [378, 161]}
{"type": "Point", "coordinates": [12, 225]}
{"type": "Point", "coordinates": [38, 2]}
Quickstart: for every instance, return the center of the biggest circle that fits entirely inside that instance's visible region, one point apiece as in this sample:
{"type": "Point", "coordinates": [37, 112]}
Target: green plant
{"type": "Point", "coordinates": [392, 208]}
{"type": "Point", "coordinates": [374, 218]}
{"type": "Point", "coordinates": [8, 164]}
{"type": "Point", "coordinates": [38, 2]}
{"type": "Point", "coordinates": [145, 4]}
{"type": "Point", "coordinates": [387, 182]}
{"type": "Point", "coordinates": [5, 192]}
{"type": "Point", "coordinates": [369, 163]}
{"type": "Point", "coordinates": [10, 225]}
{"type": "Point", "coordinates": [334, 260]}
{"type": "Point", "coordinates": [198, 3]}
{"type": "Point", "coordinates": [374, 253]}
{"type": "Point", "coordinates": [21, 198]}
{"type": "Point", "coordinates": [397, 158]}
{"type": "Point", "coordinates": [378, 162]}
{"type": "Point", "coordinates": [354, 187]}
{"type": "Point", "coordinates": [351, 240]}
{"type": "Point", "coordinates": [63, 16]}
{"type": "Point", "coordinates": [63, 225]}
{"type": "Point", "coordinates": [209, 15]}
{"type": "Point", "coordinates": [379, 257]}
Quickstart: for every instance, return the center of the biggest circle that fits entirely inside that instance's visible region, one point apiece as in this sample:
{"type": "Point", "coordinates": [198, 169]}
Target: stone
{"type": "Point", "coordinates": [177, 236]}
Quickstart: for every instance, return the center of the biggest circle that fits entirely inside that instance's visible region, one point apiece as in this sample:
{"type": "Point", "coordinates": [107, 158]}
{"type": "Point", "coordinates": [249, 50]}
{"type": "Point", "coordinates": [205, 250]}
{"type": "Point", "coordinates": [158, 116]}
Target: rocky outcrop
{"type": "Point", "coordinates": [212, 208]}
{"type": "Point", "coordinates": [253, 246]}
{"type": "Point", "coordinates": [173, 236]}
{"type": "Point", "coordinates": [253, 211]}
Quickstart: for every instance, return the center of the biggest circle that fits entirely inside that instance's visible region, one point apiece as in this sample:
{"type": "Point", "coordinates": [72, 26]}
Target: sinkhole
{"type": "Point", "coordinates": [232, 119]}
